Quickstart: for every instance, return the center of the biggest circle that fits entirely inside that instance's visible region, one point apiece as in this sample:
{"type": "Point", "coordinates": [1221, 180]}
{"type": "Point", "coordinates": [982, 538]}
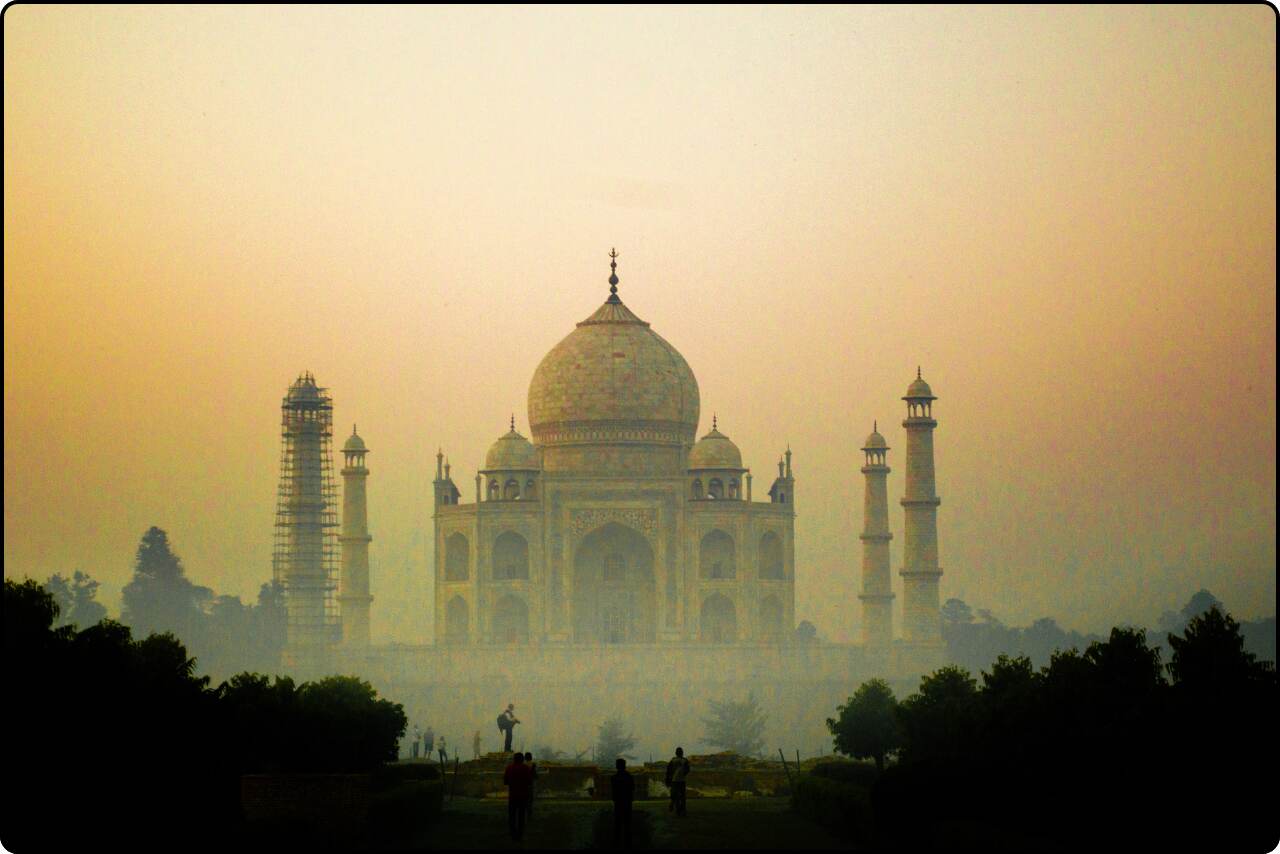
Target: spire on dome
{"type": "Point", "coordinates": [613, 276]}
{"type": "Point", "coordinates": [513, 422]}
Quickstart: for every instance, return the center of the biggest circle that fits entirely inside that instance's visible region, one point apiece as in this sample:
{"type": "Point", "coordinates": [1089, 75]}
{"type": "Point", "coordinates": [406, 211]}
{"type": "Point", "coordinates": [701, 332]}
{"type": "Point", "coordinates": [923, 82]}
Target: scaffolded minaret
{"type": "Point", "coordinates": [877, 590]}
{"type": "Point", "coordinates": [921, 623]}
{"type": "Point", "coordinates": [353, 592]}
{"type": "Point", "coordinates": [304, 559]}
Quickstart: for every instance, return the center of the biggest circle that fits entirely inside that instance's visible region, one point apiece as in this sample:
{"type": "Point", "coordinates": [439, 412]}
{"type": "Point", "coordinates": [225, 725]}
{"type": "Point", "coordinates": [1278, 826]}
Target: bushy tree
{"type": "Point", "coordinates": [736, 725]}
{"type": "Point", "coordinates": [956, 612]}
{"type": "Point", "coordinates": [160, 597]}
{"type": "Point", "coordinates": [613, 740]}
{"type": "Point", "coordinates": [868, 725]}
{"type": "Point", "coordinates": [76, 598]}
{"type": "Point", "coordinates": [938, 719]}
{"type": "Point", "coordinates": [806, 632]}
{"type": "Point", "coordinates": [1210, 657]}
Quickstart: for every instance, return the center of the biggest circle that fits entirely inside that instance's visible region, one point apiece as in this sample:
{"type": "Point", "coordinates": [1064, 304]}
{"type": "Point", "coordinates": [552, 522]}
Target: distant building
{"type": "Point", "coordinates": [616, 551]}
{"type": "Point", "coordinates": [614, 526]}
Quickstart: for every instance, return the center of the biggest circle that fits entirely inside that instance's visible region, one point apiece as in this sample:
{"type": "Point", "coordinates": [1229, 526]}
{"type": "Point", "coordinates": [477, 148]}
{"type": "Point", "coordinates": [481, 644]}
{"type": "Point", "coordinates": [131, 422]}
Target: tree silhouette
{"type": "Point", "coordinates": [77, 599]}
{"type": "Point", "coordinates": [868, 724]}
{"type": "Point", "coordinates": [1210, 656]}
{"type": "Point", "coordinates": [613, 741]}
{"type": "Point", "coordinates": [806, 632]}
{"type": "Point", "coordinates": [736, 725]}
{"type": "Point", "coordinates": [938, 719]}
{"type": "Point", "coordinates": [160, 597]}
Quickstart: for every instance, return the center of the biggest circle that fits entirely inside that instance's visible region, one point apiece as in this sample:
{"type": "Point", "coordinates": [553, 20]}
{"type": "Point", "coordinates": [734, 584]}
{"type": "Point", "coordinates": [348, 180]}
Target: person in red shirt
{"type": "Point", "coordinates": [519, 781]}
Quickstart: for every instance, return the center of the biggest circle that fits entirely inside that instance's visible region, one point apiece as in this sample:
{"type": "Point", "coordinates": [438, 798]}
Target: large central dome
{"type": "Point", "coordinates": [613, 381]}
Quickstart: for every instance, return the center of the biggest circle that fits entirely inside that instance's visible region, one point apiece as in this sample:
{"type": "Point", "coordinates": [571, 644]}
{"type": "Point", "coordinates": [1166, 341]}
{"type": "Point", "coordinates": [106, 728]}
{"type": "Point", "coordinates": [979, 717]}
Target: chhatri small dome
{"type": "Point", "coordinates": [876, 442]}
{"type": "Point", "coordinates": [611, 380]}
{"type": "Point", "coordinates": [511, 451]}
{"type": "Point", "coordinates": [355, 443]}
{"type": "Point", "coordinates": [919, 389]}
{"type": "Point", "coordinates": [715, 451]}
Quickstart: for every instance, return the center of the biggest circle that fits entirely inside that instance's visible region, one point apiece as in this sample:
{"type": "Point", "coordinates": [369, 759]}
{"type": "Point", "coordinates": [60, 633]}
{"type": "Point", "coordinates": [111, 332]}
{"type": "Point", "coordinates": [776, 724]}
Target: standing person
{"type": "Point", "coordinates": [507, 724]}
{"type": "Point", "coordinates": [428, 743]}
{"type": "Point", "coordinates": [413, 746]}
{"type": "Point", "coordinates": [623, 787]}
{"type": "Point", "coordinates": [475, 745]}
{"type": "Point", "coordinates": [519, 783]}
{"type": "Point", "coordinates": [444, 755]}
{"type": "Point", "coordinates": [677, 775]}
{"type": "Point", "coordinates": [533, 782]}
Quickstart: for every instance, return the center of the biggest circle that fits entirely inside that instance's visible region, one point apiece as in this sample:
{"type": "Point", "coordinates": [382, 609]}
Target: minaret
{"type": "Point", "coordinates": [304, 557]}
{"type": "Point", "coordinates": [921, 623]}
{"type": "Point", "coordinates": [877, 591]}
{"type": "Point", "coordinates": [353, 592]}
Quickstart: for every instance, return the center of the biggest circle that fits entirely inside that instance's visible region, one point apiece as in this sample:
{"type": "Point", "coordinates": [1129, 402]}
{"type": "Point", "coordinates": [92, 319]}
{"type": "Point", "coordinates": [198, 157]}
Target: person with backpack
{"type": "Point", "coordinates": [677, 777]}
{"type": "Point", "coordinates": [507, 724]}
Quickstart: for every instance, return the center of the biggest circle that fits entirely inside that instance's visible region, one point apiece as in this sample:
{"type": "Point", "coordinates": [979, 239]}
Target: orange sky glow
{"type": "Point", "coordinates": [1065, 215]}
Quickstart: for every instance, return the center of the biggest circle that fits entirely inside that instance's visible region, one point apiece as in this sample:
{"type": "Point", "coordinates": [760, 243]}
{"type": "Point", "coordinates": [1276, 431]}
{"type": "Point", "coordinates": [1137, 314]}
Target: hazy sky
{"type": "Point", "coordinates": [1067, 216]}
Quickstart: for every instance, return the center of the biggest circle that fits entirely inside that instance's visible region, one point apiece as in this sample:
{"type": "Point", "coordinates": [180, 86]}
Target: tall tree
{"type": "Point", "coordinates": [938, 720]}
{"type": "Point", "coordinates": [736, 725]}
{"type": "Point", "coordinates": [868, 724]}
{"type": "Point", "coordinates": [613, 741]}
{"type": "Point", "coordinates": [1210, 657]}
{"type": "Point", "coordinates": [956, 612]}
{"type": "Point", "coordinates": [86, 610]}
{"type": "Point", "coordinates": [160, 597]}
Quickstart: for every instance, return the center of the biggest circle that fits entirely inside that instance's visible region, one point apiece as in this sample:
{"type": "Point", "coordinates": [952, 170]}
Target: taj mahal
{"type": "Point", "coordinates": [615, 551]}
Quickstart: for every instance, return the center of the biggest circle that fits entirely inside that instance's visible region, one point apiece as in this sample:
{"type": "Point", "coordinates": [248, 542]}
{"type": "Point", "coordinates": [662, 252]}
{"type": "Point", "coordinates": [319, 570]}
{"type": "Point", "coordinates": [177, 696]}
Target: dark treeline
{"type": "Point", "coordinates": [1105, 747]}
{"type": "Point", "coordinates": [112, 738]}
{"type": "Point", "coordinates": [223, 633]}
{"type": "Point", "coordinates": [975, 639]}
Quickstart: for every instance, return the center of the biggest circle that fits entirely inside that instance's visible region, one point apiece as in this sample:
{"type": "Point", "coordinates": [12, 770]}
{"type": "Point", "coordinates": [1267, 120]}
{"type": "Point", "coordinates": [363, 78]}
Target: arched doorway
{"type": "Point", "coordinates": [613, 588]}
{"type": "Point", "coordinates": [457, 558]}
{"type": "Point", "coordinates": [510, 620]}
{"type": "Point", "coordinates": [719, 623]}
{"type": "Point", "coordinates": [771, 619]}
{"type": "Point", "coordinates": [457, 620]}
{"type": "Point", "coordinates": [716, 556]}
{"type": "Point", "coordinates": [771, 556]}
{"type": "Point", "coordinates": [510, 557]}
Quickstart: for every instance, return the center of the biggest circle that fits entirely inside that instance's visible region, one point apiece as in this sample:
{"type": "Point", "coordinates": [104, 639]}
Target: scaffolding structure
{"type": "Point", "coordinates": [305, 555]}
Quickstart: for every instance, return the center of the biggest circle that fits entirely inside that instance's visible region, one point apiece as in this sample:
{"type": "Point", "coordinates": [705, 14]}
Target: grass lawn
{"type": "Point", "coordinates": [473, 823]}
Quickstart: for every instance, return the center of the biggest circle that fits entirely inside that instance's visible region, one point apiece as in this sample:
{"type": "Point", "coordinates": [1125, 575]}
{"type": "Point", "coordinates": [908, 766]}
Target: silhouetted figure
{"type": "Point", "coordinates": [624, 792]}
{"type": "Point", "coordinates": [413, 747]}
{"type": "Point", "coordinates": [507, 724]}
{"type": "Point", "coordinates": [444, 754]}
{"type": "Point", "coordinates": [533, 783]}
{"type": "Point", "coordinates": [428, 744]}
{"type": "Point", "coordinates": [475, 745]}
{"type": "Point", "coordinates": [519, 780]}
{"type": "Point", "coordinates": [677, 774]}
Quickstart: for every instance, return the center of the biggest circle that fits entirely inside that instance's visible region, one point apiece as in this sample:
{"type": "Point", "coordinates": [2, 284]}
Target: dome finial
{"type": "Point", "coordinates": [713, 421]}
{"type": "Point", "coordinates": [918, 372]}
{"type": "Point", "coordinates": [613, 275]}
{"type": "Point", "coordinates": [353, 429]}
{"type": "Point", "coordinates": [875, 426]}
{"type": "Point", "coordinates": [513, 422]}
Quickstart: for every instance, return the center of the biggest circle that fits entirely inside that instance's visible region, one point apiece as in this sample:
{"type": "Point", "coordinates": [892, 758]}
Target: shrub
{"type": "Point", "coordinates": [859, 773]}
{"type": "Point", "coordinates": [843, 807]}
